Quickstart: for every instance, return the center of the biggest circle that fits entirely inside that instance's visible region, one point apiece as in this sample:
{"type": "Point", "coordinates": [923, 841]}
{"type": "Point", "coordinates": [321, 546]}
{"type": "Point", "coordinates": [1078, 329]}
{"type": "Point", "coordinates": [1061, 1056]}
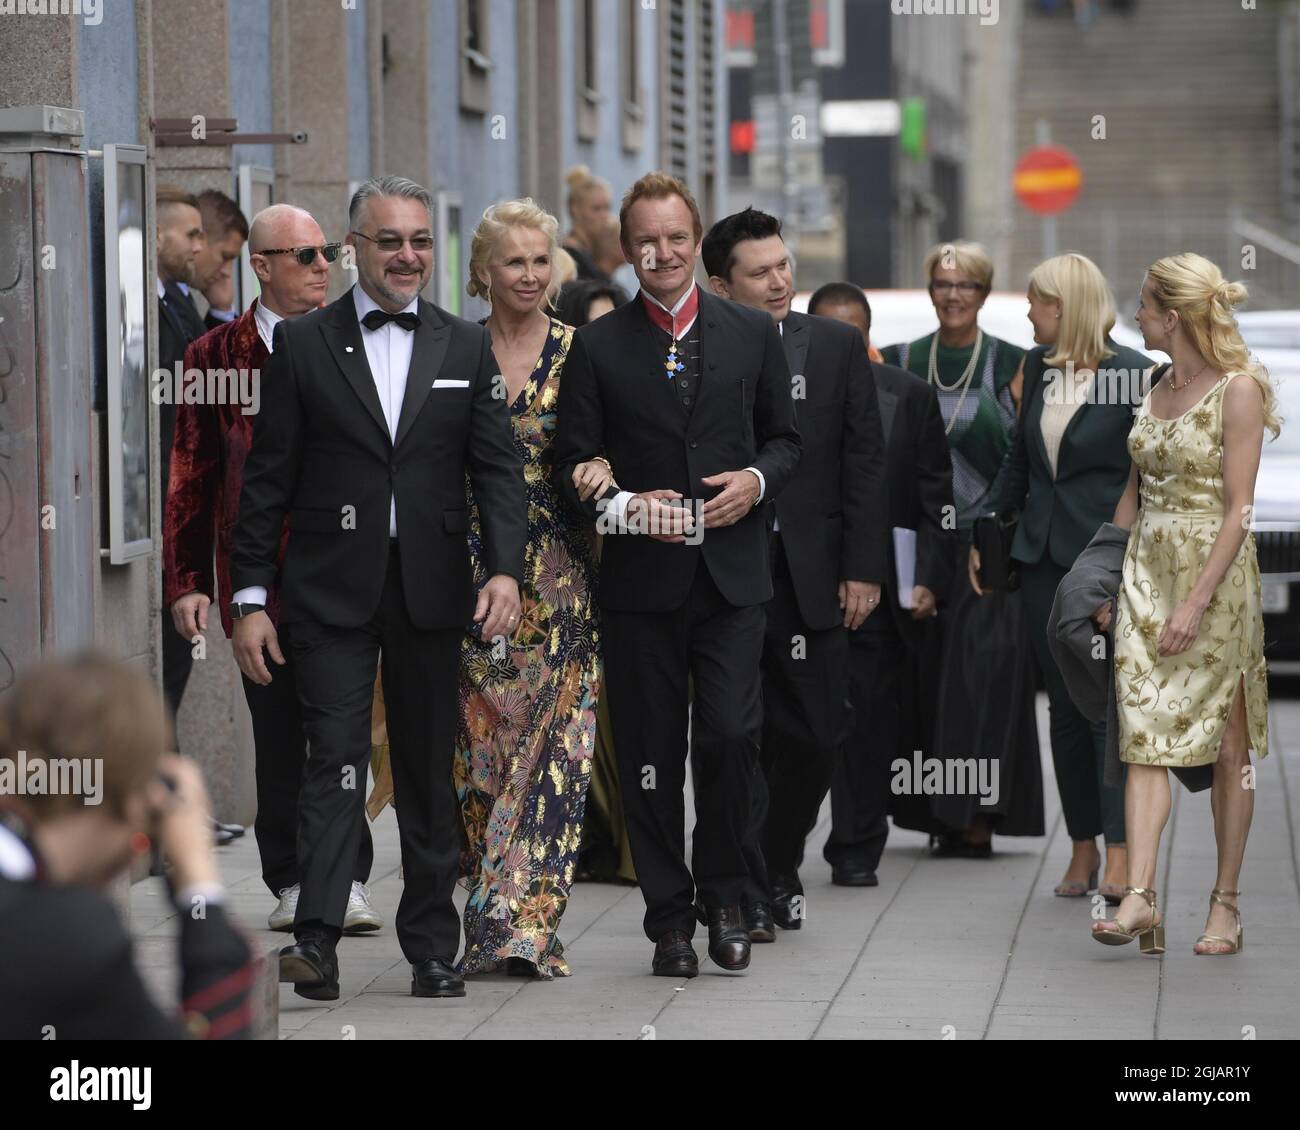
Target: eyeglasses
{"type": "Point", "coordinates": [306, 256]}
{"type": "Point", "coordinates": [965, 287]}
{"type": "Point", "coordinates": [394, 243]}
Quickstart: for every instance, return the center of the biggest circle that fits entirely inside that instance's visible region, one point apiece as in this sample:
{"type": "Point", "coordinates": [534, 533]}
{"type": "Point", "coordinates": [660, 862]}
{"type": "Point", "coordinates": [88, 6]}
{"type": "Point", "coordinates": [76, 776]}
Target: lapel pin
{"type": "Point", "coordinates": [347, 349]}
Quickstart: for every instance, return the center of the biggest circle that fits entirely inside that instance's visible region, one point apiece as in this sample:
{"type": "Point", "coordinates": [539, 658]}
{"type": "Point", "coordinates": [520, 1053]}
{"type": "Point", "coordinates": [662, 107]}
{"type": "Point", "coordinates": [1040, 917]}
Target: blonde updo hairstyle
{"type": "Point", "coordinates": [492, 228]}
{"type": "Point", "coordinates": [1087, 308]}
{"type": "Point", "coordinates": [1195, 289]}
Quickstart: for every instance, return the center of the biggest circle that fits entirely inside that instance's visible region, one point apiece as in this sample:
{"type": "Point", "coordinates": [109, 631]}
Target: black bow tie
{"type": "Point", "coordinates": [377, 318]}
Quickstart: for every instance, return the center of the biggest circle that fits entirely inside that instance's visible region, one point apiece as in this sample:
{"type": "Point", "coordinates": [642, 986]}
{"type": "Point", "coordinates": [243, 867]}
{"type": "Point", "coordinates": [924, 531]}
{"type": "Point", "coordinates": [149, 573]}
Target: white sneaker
{"type": "Point", "coordinates": [281, 917]}
{"type": "Point", "coordinates": [361, 917]}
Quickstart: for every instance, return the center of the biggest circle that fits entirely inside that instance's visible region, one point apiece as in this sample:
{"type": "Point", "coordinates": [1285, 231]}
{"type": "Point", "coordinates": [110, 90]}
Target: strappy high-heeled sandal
{"type": "Point", "coordinates": [1221, 898]}
{"type": "Point", "coordinates": [1151, 938]}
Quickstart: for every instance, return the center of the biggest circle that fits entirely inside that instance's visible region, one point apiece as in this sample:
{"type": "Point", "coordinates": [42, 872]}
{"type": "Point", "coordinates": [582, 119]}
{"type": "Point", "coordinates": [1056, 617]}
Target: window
{"type": "Point", "coordinates": [475, 61]}
{"type": "Point", "coordinates": [586, 46]}
{"type": "Point", "coordinates": [632, 105]}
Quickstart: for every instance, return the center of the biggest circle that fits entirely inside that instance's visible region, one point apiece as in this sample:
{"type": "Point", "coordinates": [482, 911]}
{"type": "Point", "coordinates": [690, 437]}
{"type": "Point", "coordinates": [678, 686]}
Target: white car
{"type": "Point", "coordinates": [906, 315]}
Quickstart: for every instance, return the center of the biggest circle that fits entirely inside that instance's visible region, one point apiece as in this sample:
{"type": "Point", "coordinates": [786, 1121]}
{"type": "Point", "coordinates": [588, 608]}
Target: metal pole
{"type": "Point", "coordinates": [1043, 136]}
{"type": "Point", "coordinates": [785, 99]}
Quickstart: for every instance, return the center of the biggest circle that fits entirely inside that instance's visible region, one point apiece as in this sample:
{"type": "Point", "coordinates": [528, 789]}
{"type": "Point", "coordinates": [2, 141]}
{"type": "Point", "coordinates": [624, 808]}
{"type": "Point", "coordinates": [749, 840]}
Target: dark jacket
{"type": "Point", "coordinates": [832, 514]}
{"type": "Point", "coordinates": [67, 971]}
{"type": "Point", "coordinates": [1059, 515]}
{"type": "Point", "coordinates": [615, 400]}
{"type": "Point", "coordinates": [918, 483]}
{"type": "Point", "coordinates": [207, 473]}
{"type": "Point", "coordinates": [323, 455]}
{"type": "Point", "coordinates": [178, 325]}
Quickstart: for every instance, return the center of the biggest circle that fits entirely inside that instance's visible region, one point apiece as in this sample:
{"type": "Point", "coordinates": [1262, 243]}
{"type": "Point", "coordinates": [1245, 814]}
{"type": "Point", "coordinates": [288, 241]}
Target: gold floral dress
{"type": "Point", "coordinates": [1173, 709]}
{"type": "Point", "coordinates": [527, 729]}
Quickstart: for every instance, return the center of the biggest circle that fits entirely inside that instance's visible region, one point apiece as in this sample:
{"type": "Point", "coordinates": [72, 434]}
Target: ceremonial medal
{"type": "Point", "coordinates": [672, 365]}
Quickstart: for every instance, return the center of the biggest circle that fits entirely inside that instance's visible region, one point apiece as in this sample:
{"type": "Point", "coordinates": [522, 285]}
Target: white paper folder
{"type": "Point", "coordinates": [905, 564]}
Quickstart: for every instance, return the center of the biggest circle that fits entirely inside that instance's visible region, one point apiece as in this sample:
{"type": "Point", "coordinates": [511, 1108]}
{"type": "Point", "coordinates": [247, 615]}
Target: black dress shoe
{"type": "Point", "coordinates": [758, 917]}
{"type": "Point", "coordinates": [312, 967]}
{"type": "Point", "coordinates": [675, 956]}
{"type": "Point", "coordinates": [956, 846]}
{"type": "Point", "coordinates": [728, 938]}
{"type": "Point", "coordinates": [850, 874]}
{"type": "Point", "coordinates": [787, 913]}
{"type": "Point", "coordinates": [436, 977]}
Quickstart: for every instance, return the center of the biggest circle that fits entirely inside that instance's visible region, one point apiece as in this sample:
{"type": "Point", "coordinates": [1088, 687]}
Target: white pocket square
{"type": "Point", "coordinates": [451, 384]}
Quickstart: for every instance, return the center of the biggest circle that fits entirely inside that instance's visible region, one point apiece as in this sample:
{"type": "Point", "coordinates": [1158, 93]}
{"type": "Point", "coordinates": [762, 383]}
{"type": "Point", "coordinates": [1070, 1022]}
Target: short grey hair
{"type": "Point", "coordinates": [389, 186]}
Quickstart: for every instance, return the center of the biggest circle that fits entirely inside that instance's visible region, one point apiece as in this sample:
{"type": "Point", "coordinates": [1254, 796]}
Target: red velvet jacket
{"type": "Point", "coordinates": [207, 474]}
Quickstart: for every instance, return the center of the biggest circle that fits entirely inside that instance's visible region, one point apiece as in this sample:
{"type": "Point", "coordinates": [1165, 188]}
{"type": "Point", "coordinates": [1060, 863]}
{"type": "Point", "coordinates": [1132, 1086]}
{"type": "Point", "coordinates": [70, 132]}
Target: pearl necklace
{"type": "Point", "coordinates": [962, 382]}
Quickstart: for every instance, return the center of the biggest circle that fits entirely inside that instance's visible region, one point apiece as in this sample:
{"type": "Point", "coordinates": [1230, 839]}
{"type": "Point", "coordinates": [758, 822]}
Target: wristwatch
{"type": "Point", "coordinates": [239, 611]}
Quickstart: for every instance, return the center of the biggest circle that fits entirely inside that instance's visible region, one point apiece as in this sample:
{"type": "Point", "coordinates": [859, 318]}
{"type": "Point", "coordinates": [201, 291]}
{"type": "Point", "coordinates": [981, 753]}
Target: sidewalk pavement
{"type": "Point", "coordinates": [957, 949]}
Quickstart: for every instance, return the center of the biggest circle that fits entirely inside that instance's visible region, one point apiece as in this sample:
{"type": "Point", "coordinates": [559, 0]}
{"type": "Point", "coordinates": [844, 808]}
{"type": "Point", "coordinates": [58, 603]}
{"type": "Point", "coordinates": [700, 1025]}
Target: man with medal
{"type": "Point", "coordinates": [689, 398]}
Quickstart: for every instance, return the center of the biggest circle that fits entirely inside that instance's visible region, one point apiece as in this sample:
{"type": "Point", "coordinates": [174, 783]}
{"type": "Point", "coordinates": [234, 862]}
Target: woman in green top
{"type": "Point", "coordinates": [976, 686]}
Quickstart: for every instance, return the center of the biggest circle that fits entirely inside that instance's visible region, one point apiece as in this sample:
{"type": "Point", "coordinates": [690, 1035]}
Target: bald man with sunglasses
{"type": "Point", "coordinates": [291, 259]}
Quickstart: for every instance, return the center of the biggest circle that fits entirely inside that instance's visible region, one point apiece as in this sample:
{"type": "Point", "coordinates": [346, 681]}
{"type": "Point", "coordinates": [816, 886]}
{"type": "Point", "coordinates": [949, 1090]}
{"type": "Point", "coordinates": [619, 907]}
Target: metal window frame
{"type": "Point", "coordinates": [120, 550]}
{"type": "Point", "coordinates": [250, 176]}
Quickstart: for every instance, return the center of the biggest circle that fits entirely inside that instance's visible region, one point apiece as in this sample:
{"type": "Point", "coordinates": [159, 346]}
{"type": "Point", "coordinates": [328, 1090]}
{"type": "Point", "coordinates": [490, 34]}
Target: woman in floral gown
{"type": "Point", "coordinates": [527, 703]}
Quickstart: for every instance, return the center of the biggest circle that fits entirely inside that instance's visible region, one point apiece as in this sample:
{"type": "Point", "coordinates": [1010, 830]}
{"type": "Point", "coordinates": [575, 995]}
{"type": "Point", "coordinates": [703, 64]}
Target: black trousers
{"type": "Point", "coordinates": [280, 758]}
{"type": "Point", "coordinates": [878, 660]}
{"type": "Point", "coordinates": [336, 679]}
{"type": "Point", "coordinates": [805, 715]}
{"type": "Point", "coordinates": [1078, 746]}
{"type": "Point", "coordinates": [650, 658]}
{"type": "Point", "coordinates": [177, 663]}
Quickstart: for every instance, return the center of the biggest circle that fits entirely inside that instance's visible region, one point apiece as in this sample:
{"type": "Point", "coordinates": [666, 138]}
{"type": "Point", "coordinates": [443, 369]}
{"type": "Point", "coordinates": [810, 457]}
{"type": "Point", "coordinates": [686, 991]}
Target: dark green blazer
{"type": "Point", "coordinates": [1060, 515]}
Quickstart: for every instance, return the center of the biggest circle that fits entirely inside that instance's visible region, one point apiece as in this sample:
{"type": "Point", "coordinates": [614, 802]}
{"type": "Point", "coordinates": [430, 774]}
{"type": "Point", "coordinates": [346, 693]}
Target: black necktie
{"type": "Point", "coordinates": [377, 318]}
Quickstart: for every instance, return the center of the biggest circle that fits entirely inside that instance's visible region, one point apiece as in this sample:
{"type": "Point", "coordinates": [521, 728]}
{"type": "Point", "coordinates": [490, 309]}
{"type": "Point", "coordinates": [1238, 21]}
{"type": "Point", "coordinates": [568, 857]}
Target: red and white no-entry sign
{"type": "Point", "coordinates": [1047, 179]}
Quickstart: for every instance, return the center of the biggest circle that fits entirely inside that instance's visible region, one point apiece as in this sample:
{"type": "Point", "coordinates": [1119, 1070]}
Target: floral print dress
{"type": "Point", "coordinates": [527, 724]}
{"type": "Point", "coordinates": [1174, 709]}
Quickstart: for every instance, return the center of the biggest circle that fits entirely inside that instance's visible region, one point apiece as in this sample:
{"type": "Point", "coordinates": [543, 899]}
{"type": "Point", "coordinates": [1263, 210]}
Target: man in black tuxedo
{"type": "Point", "coordinates": [373, 410]}
{"type": "Point", "coordinates": [828, 561]}
{"type": "Point", "coordinates": [882, 653]}
{"type": "Point", "coordinates": [181, 240]}
{"type": "Point", "coordinates": [689, 399]}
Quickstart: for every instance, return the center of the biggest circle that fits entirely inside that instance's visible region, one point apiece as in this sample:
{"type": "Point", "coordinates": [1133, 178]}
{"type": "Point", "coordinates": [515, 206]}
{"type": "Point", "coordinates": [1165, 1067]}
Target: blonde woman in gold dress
{"type": "Point", "coordinates": [1190, 677]}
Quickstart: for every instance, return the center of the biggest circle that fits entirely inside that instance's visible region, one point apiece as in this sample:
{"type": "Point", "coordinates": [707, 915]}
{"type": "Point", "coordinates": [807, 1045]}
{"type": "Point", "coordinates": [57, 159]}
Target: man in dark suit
{"type": "Point", "coordinates": [180, 240]}
{"type": "Point", "coordinates": [373, 410]}
{"type": "Point", "coordinates": [918, 486]}
{"type": "Point", "coordinates": [689, 399]}
{"type": "Point", "coordinates": [828, 560]}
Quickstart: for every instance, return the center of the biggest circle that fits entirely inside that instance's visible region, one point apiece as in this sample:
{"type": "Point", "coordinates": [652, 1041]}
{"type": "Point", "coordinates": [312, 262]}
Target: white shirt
{"type": "Point", "coordinates": [266, 319]}
{"type": "Point", "coordinates": [388, 351]}
{"type": "Point", "coordinates": [617, 506]}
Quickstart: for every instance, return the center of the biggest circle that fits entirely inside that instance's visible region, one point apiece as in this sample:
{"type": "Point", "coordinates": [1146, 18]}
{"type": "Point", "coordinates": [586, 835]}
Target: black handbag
{"type": "Point", "coordinates": [992, 536]}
